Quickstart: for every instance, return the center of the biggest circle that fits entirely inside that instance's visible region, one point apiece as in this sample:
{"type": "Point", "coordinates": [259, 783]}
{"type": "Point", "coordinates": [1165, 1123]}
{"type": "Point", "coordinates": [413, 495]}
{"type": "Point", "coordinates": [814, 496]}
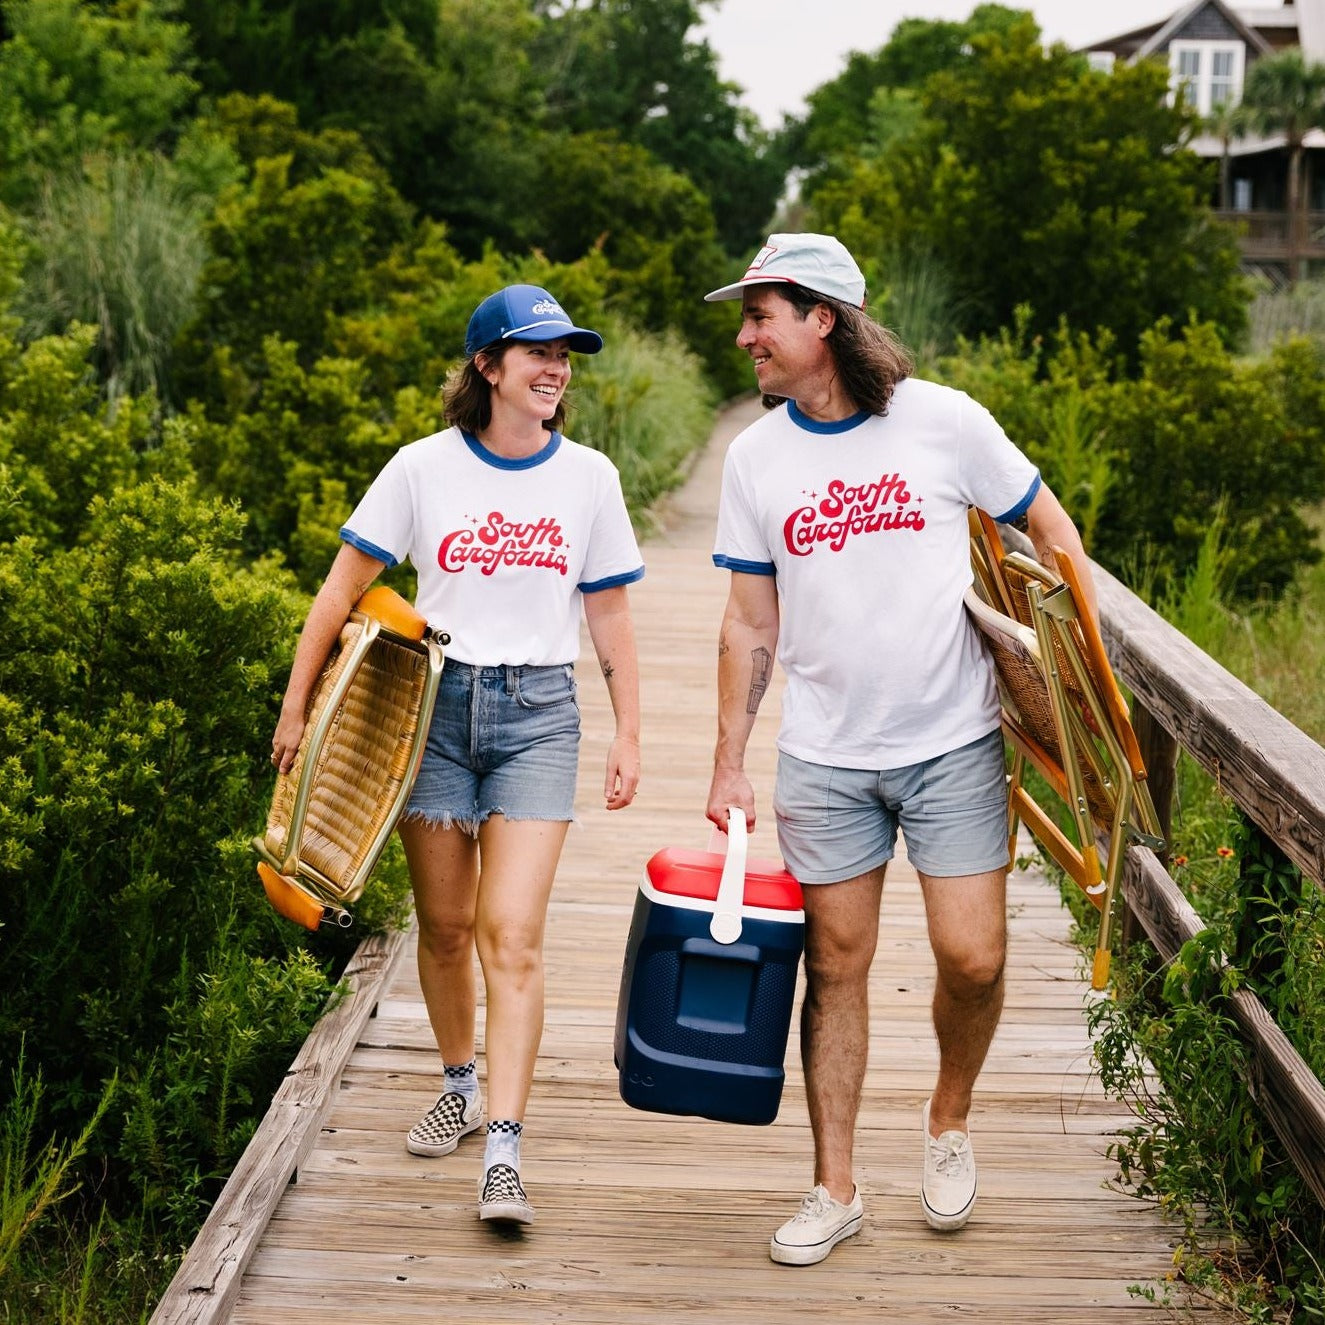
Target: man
{"type": "Point", "coordinates": [843, 520]}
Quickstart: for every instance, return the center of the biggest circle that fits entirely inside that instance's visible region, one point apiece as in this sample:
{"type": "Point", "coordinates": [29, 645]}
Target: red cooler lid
{"type": "Point", "coordinates": [685, 873]}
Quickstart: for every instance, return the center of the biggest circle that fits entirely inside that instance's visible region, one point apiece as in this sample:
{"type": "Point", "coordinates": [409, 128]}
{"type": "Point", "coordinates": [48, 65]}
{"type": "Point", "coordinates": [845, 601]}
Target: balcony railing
{"type": "Point", "coordinates": [1266, 236]}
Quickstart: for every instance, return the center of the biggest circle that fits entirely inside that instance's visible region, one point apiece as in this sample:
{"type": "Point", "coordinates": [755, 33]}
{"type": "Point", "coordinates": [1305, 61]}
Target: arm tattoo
{"type": "Point", "coordinates": [762, 668]}
{"type": "Point", "coordinates": [608, 670]}
{"type": "Point", "coordinates": [722, 645]}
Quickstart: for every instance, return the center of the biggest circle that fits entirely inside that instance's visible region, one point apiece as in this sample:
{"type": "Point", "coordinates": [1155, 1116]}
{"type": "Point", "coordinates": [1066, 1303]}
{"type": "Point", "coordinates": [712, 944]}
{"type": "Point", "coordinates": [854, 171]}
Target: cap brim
{"type": "Point", "coordinates": [580, 339]}
{"type": "Point", "coordinates": [737, 288]}
{"type": "Point", "coordinates": [583, 341]}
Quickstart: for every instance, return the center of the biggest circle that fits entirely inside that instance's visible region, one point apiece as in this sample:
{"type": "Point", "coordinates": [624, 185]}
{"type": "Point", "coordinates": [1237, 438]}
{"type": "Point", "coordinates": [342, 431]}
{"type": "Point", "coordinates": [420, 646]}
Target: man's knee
{"type": "Point", "coordinates": [972, 973]}
{"type": "Point", "coordinates": [837, 957]}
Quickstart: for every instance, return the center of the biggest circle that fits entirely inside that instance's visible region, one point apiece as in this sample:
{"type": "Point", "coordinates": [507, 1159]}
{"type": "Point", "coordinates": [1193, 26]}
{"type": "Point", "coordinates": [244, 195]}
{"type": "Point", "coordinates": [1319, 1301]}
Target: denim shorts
{"type": "Point", "coordinates": [838, 823]}
{"type": "Point", "coordinates": [503, 740]}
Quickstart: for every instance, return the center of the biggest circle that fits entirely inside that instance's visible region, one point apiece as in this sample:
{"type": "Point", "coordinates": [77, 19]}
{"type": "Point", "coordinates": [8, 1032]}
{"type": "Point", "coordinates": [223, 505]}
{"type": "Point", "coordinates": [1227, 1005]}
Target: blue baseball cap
{"type": "Point", "coordinates": [525, 312]}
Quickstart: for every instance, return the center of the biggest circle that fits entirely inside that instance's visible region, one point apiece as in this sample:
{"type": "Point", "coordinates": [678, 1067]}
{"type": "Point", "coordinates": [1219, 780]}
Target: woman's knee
{"type": "Point", "coordinates": [446, 937]}
{"type": "Point", "coordinates": [511, 951]}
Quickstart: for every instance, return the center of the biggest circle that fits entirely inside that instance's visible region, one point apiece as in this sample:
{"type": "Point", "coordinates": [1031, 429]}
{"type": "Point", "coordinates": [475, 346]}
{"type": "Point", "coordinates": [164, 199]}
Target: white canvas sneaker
{"type": "Point", "coordinates": [947, 1184]}
{"type": "Point", "coordinates": [816, 1228]}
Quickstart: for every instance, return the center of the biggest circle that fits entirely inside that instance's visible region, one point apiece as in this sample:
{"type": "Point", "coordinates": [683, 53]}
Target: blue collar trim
{"type": "Point", "coordinates": [814, 425]}
{"type": "Point", "coordinates": [504, 462]}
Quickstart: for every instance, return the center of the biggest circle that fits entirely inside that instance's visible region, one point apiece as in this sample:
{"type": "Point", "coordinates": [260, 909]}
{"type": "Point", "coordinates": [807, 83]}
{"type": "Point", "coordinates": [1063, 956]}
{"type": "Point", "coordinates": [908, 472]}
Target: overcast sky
{"type": "Point", "coordinates": [778, 50]}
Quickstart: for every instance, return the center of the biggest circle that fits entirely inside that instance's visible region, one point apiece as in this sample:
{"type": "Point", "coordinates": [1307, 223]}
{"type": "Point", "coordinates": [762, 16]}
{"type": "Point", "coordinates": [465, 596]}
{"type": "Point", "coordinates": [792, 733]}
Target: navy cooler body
{"type": "Point", "coordinates": [708, 984]}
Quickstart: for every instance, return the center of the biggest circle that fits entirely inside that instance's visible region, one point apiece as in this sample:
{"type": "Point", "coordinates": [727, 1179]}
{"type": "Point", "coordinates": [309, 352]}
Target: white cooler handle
{"type": "Point", "coordinates": [725, 927]}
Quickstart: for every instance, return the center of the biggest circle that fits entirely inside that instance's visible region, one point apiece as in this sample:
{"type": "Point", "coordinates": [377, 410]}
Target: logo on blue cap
{"type": "Point", "coordinates": [526, 312]}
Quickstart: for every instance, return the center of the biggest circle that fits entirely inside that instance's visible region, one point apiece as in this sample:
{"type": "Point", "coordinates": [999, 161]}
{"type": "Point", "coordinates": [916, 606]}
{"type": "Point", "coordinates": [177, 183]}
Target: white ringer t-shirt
{"type": "Point", "coordinates": [864, 524]}
{"type": "Point", "coordinates": [504, 549]}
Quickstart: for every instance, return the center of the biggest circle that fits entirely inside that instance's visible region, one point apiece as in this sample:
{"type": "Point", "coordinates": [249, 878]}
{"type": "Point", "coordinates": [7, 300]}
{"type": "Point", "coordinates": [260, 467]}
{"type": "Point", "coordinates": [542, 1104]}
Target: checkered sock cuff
{"type": "Point", "coordinates": [503, 1145]}
{"type": "Point", "coordinates": [461, 1073]}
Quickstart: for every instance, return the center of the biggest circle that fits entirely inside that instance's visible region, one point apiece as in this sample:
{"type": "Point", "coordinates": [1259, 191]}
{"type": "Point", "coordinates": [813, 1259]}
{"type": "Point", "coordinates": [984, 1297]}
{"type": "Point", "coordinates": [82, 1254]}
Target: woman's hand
{"type": "Point", "coordinates": [622, 781]}
{"type": "Point", "coordinates": [285, 742]}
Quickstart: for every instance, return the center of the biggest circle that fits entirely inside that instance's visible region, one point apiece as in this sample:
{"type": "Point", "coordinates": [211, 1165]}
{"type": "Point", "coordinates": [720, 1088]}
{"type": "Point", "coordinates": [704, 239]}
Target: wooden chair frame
{"type": "Point", "coordinates": [1064, 715]}
{"type": "Point", "coordinates": [368, 719]}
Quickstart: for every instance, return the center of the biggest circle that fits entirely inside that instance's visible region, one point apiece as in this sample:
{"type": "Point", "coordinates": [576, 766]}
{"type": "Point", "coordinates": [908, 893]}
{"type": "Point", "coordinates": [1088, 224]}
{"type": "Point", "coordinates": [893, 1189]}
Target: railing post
{"type": "Point", "coordinates": [1159, 750]}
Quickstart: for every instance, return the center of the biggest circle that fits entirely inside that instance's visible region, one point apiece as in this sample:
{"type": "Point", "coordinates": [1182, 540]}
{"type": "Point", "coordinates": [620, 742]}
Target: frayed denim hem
{"type": "Point", "coordinates": [470, 827]}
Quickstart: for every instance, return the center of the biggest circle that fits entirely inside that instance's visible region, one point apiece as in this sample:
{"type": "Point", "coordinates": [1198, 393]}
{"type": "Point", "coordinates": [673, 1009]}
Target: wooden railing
{"type": "Point", "coordinates": [1269, 235]}
{"type": "Point", "coordinates": [1276, 775]}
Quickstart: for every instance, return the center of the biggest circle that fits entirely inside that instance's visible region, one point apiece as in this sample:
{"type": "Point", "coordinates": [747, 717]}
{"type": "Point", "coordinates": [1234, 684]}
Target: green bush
{"type": "Point", "coordinates": [1144, 463]}
{"type": "Point", "coordinates": [139, 679]}
{"type": "Point", "coordinates": [193, 1104]}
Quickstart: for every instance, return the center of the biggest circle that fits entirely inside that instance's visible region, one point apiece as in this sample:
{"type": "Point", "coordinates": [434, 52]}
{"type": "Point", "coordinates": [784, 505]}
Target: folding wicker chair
{"type": "Point", "coordinates": [332, 813]}
{"type": "Point", "coordinates": [1064, 714]}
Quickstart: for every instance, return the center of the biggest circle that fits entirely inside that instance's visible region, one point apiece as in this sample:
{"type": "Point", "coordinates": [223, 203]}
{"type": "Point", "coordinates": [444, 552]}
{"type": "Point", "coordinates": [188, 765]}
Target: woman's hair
{"type": "Point", "coordinates": [870, 359]}
{"type": "Point", "coordinates": [467, 394]}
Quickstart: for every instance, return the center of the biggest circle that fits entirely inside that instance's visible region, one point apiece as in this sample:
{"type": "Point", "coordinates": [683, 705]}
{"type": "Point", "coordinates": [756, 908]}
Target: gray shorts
{"type": "Point", "coordinates": [503, 740]}
{"type": "Point", "coordinates": [838, 823]}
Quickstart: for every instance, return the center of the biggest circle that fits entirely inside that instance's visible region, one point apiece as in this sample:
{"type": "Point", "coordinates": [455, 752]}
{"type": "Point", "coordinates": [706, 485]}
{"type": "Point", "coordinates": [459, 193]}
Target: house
{"type": "Point", "coordinates": [1209, 45]}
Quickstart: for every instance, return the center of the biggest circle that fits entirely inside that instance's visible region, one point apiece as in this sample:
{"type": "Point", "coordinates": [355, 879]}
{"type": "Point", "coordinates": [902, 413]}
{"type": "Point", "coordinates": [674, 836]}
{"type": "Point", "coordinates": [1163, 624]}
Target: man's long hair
{"type": "Point", "coordinates": [870, 359]}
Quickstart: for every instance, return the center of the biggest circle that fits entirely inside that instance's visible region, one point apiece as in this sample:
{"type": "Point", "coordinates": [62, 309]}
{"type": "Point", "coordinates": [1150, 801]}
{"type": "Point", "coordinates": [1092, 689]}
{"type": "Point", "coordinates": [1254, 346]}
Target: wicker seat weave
{"type": "Point", "coordinates": [333, 812]}
{"type": "Point", "coordinates": [1064, 715]}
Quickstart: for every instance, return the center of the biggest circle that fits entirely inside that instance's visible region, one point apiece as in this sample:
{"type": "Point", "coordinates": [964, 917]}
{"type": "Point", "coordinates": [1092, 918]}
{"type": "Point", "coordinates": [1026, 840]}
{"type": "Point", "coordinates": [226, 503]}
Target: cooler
{"type": "Point", "coordinates": [708, 983]}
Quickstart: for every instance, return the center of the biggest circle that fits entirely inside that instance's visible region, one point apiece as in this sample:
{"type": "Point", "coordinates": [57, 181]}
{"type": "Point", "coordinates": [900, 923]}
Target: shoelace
{"type": "Point", "coordinates": [948, 1154]}
{"type": "Point", "coordinates": [818, 1202]}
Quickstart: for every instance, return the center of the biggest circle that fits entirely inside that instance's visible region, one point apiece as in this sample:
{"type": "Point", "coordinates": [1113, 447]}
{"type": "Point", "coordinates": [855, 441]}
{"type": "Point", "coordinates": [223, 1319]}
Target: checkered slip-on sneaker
{"type": "Point", "coordinates": [439, 1131]}
{"type": "Point", "coordinates": [500, 1196]}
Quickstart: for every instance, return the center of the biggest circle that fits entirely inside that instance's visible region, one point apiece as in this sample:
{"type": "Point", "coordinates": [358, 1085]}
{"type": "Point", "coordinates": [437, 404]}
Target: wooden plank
{"type": "Point", "coordinates": [207, 1281]}
{"type": "Point", "coordinates": [655, 1218]}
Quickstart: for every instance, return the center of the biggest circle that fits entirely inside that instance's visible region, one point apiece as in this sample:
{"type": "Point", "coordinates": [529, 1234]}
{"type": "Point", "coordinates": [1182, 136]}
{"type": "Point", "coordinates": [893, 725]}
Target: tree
{"type": "Point", "coordinates": [75, 82]}
{"type": "Point", "coordinates": [1030, 177]}
{"type": "Point", "coordinates": [916, 49]}
{"type": "Point", "coordinates": [629, 68]}
{"type": "Point", "coordinates": [292, 247]}
{"type": "Point", "coordinates": [1284, 94]}
{"type": "Point", "coordinates": [1226, 121]}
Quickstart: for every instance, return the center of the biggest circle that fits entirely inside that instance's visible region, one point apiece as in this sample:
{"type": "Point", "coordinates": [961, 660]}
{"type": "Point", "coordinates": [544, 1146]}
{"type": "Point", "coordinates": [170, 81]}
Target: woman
{"type": "Point", "coordinates": [510, 527]}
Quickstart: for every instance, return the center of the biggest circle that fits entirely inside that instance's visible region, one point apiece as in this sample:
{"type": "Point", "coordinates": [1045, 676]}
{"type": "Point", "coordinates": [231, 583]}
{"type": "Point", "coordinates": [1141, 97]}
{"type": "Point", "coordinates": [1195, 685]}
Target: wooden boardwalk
{"type": "Point", "coordinates": [644, 1217]}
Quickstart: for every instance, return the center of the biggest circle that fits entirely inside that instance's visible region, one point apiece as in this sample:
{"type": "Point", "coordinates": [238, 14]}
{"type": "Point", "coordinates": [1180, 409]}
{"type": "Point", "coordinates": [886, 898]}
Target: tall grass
{"type": "Point", "coordinates": [1277, 314]}
{"type": "Point", "coordinates": [920, 303]}
{"type": "Point", "coordinates": [34, 1178]}
{"type": "Point", "coordinates": [644, 403]}
{"type": "Point", "coordinates": [118, 245]}
{"type": "Point", "coordinates": [1277, 648]}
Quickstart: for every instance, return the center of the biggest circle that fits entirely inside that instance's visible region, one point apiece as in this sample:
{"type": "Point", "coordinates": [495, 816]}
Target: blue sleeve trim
{"type": "Point", "coordinates": [612, 581]}
{"type": "Point", "coordinates": [744, 567]}
{"type": "Point", "coordinates": [1022, 506]}
{"type": "Point", "coordinates": [371, 549]}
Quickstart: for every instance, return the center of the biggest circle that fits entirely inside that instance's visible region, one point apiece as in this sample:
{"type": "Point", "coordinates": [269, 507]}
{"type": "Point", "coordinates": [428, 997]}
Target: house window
{"type": "Point", "coordinates": [1242, 195]}
{"type": "Point", "coordinates": [1100, 61]}
{"type": "Point", "coordinates": [1209, 71]}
